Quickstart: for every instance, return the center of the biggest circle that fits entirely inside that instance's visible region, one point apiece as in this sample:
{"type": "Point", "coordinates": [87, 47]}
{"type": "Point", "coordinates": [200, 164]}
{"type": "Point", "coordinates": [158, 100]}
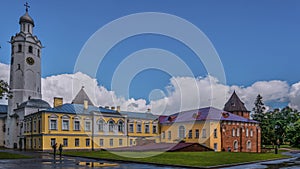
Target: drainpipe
{"type": "Point", "coordinates": [93, 117]}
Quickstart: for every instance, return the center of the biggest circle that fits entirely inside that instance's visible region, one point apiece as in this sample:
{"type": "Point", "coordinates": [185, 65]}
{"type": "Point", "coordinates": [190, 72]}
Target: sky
{"type": "Point", "coordinates": [257, 43]}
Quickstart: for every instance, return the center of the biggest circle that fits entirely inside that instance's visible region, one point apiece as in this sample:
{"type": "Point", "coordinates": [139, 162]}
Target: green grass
{"type": "Point", "coordinates": [184, 158]}
{"type": "Point", "coordinates": [6, 155]}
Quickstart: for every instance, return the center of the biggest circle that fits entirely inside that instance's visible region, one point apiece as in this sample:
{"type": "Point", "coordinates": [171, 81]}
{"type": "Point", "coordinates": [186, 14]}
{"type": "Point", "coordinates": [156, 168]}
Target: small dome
{"type": "Point", "coordinates": [26, 18]}
{"type": "Point", "coordinates": [36, 103]}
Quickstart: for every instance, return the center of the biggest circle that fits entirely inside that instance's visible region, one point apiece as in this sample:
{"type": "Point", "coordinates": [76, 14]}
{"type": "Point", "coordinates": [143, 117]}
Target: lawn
{"type": "Point", "coordinates": [184, 158]}
{"type": "Point", "coordinates": [6, 155]}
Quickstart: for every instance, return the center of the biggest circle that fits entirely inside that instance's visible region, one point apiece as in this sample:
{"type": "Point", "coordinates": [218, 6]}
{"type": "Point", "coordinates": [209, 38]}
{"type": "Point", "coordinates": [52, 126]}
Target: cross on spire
{"type": "Point", "coordinates": [27, 6]}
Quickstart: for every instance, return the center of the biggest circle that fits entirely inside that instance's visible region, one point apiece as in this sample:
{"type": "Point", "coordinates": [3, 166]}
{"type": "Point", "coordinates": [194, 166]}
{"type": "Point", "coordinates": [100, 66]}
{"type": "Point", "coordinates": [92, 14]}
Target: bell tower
{"type": "Point", "coordinates": [25, 74]}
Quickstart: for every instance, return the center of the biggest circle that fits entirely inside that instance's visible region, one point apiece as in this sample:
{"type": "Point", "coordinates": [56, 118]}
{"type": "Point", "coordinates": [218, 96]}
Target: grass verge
{"type": "Point", "coordinates": [6, 155]}
{"type": "Point", "coordinates": [184, 158]}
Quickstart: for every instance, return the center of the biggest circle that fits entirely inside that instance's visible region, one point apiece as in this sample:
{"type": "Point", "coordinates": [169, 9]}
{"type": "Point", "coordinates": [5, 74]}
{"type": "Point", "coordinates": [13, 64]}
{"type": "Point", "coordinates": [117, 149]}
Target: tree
{"type": "Point", "coordinates": [259, 109]}
{"type": "Point", "coordinates": [4, 90]}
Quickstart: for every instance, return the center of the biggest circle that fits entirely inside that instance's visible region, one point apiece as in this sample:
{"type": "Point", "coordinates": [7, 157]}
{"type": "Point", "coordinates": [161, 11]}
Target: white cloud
{"type": "Point", "coordinates": [182, 93]}
{"type": "Point", "coordinates": [294, 96]}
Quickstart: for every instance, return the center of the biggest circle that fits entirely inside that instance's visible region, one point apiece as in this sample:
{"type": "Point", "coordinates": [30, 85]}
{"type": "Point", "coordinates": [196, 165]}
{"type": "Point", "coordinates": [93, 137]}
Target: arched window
{"type": "Point", "coordinates": [38, 53]}
{"type": "Point", "coordinates": [233, 132]}
{"type": "Point", "coordinates": [100, 125]}
{"type": "Point", "coordinates": [249, 145]}
{"type": "Point", "coordinates": [235, 145]}
{"type": "Point", "coordinates": [120, 126]}
{"type": "Point", "coordinates": [238, 132]}
{"type": "Point", "coordinates": [30, 49]}
{"type": "Point", "coordinates": [181, 131]}
{"type": "Point", "coordinates": [110, 126]}
{"type": "Point", "coordinates": [247, 132]}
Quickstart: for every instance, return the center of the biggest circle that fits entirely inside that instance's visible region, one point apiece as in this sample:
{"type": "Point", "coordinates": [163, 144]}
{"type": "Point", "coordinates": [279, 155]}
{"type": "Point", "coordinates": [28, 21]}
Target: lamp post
{"type": "Point", "coordinates": [276, 137]}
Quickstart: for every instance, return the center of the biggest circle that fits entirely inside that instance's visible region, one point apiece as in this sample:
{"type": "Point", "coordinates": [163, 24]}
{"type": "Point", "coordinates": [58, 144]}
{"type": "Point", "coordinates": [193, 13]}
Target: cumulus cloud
{"type": "Point", "coordinates": [294, 96]}
{"type": "Point", "coordinates": [183, 93]}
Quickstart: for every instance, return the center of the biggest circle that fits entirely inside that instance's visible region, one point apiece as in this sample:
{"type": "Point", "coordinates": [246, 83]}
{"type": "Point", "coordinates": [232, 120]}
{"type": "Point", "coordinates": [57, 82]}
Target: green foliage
{"type": "Point", "coordinates": [4, 90]}
{"type": "Point", "coordinates": [277, 126]}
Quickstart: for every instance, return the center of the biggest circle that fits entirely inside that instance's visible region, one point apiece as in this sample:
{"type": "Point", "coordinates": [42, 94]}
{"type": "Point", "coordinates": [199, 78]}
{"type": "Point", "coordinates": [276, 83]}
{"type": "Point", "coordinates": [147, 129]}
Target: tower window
{"type": "Point", "coordinates": [19, 48]}
{"type": "Point", "coordinates": [30, 49]}
{"type": "Point", "coordinates": [19, 66]}
{"type": "Point", "coordinates": [12, 61]}
{"type": "Point", "coordinates": [38, 51]}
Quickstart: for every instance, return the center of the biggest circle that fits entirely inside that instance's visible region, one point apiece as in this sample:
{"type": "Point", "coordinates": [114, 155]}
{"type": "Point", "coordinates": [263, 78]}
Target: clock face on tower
{"type": "Point", "coordinates": [30, 60]}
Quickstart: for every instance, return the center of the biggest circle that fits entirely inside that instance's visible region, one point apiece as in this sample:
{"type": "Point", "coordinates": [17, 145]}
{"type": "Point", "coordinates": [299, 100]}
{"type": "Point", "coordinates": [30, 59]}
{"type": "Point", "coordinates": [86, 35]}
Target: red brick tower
{"type": "Point", "coordinates": [235, 106]}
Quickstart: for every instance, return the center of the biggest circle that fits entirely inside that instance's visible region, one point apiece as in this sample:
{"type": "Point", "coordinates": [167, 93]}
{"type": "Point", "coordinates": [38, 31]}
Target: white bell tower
{"type": "Point", "coordinates": [25, 75]}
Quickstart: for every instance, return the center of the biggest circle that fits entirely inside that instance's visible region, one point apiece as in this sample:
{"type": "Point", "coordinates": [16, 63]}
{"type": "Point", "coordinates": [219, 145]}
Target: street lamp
{"type": "Point", "coordinates": [276, 137]}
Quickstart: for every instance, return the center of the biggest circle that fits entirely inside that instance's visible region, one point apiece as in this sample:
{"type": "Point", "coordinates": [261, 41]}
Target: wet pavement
{"type": "Point", "coordinates": [44, 160]}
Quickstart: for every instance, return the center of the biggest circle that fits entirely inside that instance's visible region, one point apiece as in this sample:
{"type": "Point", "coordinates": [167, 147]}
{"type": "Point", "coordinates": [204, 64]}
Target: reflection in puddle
{"type": "Point", "coordinates": [286, 164]}
{"type": "Point", "coordinates": [97, 164]}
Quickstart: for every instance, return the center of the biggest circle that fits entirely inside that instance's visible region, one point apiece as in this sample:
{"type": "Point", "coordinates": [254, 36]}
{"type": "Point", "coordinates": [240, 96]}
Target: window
{"type": "Point", "coordinates": [65, 142]}
{"type": "Point", "coordinates": [251, 133]}
{"type": "Point", "coordinates": [215, 133]}
{"type": "Point", "coordinates": [181, 132]}
{"type": "Point", "coordinates": [163, 135]}
{"type": "Point", "coordinates": [235, 145]}
{"type": "Point", "coordinates": [76, 125]}
{"type": "Point", "coordinates": [120, 126]}
{"type": "Point", "coordinates": [53, 124]}
{"type": "Point", "coordinates": [19, 48]}
{"type": "Point", "coordinates": [120, 142]}
{"type": "Point", "coordinates": [238, 132]}
{"type": "Point", "coordinates": [87, 142]}
{"type": "Point", "coordinates": [39, 142]}
{"type": "Point", "coordinates": [87, 126]}
{"type": "Point", "coordinates": [130, 141]}
{"type": "Point", "coordinates": [65, 125]}
{"type": "Point", "coordinates": [215, 146]}
{"type": "Point", "coordinates": [139, 128]}
{"type": "Point", "coordinates": [39, 126]}
{"type": "Point", "coordinates": [111, 142]}
{"type": "Point", "coordinates": [247, 132]}
{"type": "Point", "coordinates": [34, 126]}
{"type": "Point", "coordinates": [249, 145]}
{"type": "Point", "coordinates": [154, 129]}
{"type": "Point", "coordinates": [52, 142]}
{"type": "Point", "coordinates": [39, 53]}
{"type": "Point", "coordinates": [101, 142]}
{"type": "Point", "coordinates": [190, 133]}
{"type": "Point", "coordinates": [12, 61]}
{"type": "Point", "coordinates": [76, 142]}
{"type": "Point", "coordinates": [111, 126]}
{"type": "Point", "coordinates": [203, 133]}
{"type": "Point", "coordinates": [130, 128]}
{"type": "Point", "coordinates": [30, 49]}
{"type": "Point", "coordinates": [196, 133]}
{"type": "Point", "coordinates": [147, 128]}
{"type": "Point", "coordinates": [100, 125]}
{"type": "Point", "coordinates": [169, 135]}
{"type": "Point", "coordinates": [233, 132]}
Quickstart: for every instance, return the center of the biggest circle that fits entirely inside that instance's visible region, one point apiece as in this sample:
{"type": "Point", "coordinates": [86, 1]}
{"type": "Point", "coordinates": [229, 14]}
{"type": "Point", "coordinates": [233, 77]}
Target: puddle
{"type": "Point", "coordinates": [97, 164]}
{"type": "Point", "coordinates": [286, 164]}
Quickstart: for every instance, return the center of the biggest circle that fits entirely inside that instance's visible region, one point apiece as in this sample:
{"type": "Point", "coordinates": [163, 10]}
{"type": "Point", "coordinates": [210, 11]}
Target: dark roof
{"type": "Point", "coordinates": [35, 103]}
{"type": "Point", "coordinates": [234, 104]}
{"type": "Point", "coordinates": [26, 18]}
{"type": "Point", "coordinates": [3, 108]}
{"type": "Point", "coordinates": [79, 109]}
{"type": "Point", "coordinates": [208, 113]}
{"type": "Point", "coordinates": [139, 115]}
{"type": "Point", "coordinates": [81, 97]}
{"type": "Point", "coordinates": [158, 147]}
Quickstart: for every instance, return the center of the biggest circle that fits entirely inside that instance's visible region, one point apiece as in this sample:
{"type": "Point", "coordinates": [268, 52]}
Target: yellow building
{"type": "Point", "coordinates": [142, 128]}
{"type": "Point", "coordinates": [194, 126]}
{"type": "Point", "coordinates": [81, 125]}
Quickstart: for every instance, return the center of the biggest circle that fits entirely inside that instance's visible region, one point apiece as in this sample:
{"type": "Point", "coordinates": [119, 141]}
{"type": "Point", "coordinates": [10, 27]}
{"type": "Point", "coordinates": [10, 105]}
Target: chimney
{"type": "Point", "coordinates": [118, 108]}
{"type": "Point", "coordinates": [112, 107]}
{"type": "Point", "coordinates": [85, 104]}
{"type": "Point", "coordinates": [58, 101]}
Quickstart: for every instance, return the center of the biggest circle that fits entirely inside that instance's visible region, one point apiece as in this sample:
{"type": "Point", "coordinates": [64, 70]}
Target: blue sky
{"type": "Point", "coordinates": [256, 40]}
